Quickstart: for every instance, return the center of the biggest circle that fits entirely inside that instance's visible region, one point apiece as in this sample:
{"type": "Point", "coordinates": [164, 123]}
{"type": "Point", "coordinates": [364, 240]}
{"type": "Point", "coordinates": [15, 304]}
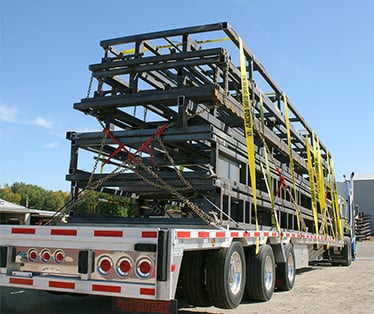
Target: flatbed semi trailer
{"type": "Point", "coordinates": [233, 190]}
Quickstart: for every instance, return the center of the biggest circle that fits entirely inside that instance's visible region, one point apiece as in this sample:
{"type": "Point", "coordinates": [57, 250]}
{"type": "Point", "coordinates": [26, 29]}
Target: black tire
{"type": "Point", "coordinates": [286, 272]}
{"type": "Point", "coordinates": [347, 252]}
{"type": "Point", "coordinates": [194, 279]}
{"type": "Point", "coordinates": [260, 274]}
{"type": "Point", "coordinates": [226, 276]}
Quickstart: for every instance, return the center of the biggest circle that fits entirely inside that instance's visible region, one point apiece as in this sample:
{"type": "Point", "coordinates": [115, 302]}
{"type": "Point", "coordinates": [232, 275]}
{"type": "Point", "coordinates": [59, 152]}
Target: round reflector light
{"type": "Point", "coordinates": [59, 256]}
{"type": "Point", "coordinates": [32, 255]}
{"type": "Point", "coordinates": [45, 255]}
{"type": "Point", "coordinates": [144, 268]}
{"type": "Point", "coordinates": [105, 265]}
{"type": "Point", "coordinates": [124, 266]}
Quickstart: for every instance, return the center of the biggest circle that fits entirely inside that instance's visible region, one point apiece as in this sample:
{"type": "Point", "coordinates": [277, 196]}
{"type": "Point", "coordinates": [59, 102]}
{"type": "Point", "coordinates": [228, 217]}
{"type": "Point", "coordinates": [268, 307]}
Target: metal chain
{"type": "Point", "coordinates": [171, 160]}
{"type": "Point", "coordinates": [196, 209]}
{"type": "Point", "coordinates": [90, 86]}
{"type": "Point", "coordinates": [97, 159]}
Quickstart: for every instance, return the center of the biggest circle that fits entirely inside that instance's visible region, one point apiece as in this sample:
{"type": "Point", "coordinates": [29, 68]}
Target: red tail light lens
{"type": "Point", "coordinates": [32, 255]}
{"type": "Point", "coordinates": [105, 265]}
{"type": "Point", "coordinates": [45, 255]}
{"type": "Point", "coordinates": [144, 268]}
{"type": "Point", "coordinates": [124, 266]}
{"type": "Point", "coordinates": [59, 256]}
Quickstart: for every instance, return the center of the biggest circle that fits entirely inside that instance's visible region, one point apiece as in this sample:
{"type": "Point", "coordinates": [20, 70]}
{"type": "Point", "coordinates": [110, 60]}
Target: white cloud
{"type": "Point", "coordinates": [39, 121]}
{"type": "Point", "coordinates": [8, 114]}
{"type": "Point", "coordinates": [11, 114]}
{"type": "Point", "coordinates": [51, 145]}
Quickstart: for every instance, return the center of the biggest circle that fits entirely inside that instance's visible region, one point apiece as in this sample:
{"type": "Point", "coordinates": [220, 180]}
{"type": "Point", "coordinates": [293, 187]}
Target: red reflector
{"type": "Point", "coordinates": [234, 234]}
{"type": "Point", "coordinates": [21, 281]}
{"type": "Point", "coordinates": [183, 234]}
{"type": "Point", "coordinates": [106, 288]}
{"type": "Point", "coordinates": [64, 232]}
{"type": "Point", "coordinates": [149, 234]}
{"type": "Point", "coordinates": [173, 267]}
{"type": "Point", "coordinates": [24, 230]}
{"type": "Point", "coordinates": [220, 234]}
{"type": "Point", "coordinates": [108, 233]}
{"type": "Point", "coordinates": [257, 233]}
{"type": "Point", "coordinates": [203, 234]}
{"type": "Point", "coordinates": [147, 291]}
{"type": "Point", "coordinates": [61, 284]}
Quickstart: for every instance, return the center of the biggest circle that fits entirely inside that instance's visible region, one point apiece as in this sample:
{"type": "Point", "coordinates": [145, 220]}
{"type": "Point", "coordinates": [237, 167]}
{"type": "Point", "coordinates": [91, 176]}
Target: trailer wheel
{"type": "Point", "coordinates": [286, 272]}
{"type": "Point", "coordinates": [260, 274]}
{"type": "Point", "coordinates": [194, 278]}
{"type": "Point", "coordinates": [347, 252]}
{"type": "Point", "coordinates": [226, 273]}
{"type": "Point", "coordinates": [343, 257]}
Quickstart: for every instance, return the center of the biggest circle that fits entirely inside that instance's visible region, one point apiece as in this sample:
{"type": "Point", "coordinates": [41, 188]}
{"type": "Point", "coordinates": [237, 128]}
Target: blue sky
{"type": "Point", "coordinates": [319, 52]}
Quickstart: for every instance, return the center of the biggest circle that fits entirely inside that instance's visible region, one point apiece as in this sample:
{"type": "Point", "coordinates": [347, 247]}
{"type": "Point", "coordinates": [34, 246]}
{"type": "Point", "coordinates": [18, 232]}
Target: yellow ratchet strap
{"type": "Point", "coordinates": [312, 184]}
{"type": "Point", "coordinates": [291, 159]}
{"type": "Point", "coordinates": [248, 126]}
{"type": "Point", "coordinates": [336, 201]}
{"type": "Point", "coordinates": [321, 184]}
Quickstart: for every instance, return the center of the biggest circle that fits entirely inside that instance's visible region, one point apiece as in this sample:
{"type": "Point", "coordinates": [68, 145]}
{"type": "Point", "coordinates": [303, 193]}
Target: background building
{"type": "Point", "coordinates": [362, 194]}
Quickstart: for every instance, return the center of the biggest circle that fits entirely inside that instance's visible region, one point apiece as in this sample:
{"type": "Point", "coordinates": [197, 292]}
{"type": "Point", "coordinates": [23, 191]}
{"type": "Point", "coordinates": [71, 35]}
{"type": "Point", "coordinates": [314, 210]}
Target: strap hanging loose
{"type": "Point", "coordinates": [248, 127]}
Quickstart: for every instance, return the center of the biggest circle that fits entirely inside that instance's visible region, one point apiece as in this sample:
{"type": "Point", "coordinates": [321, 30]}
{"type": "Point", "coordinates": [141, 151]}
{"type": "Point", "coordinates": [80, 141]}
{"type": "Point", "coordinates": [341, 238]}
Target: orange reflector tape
{"type": "Point", "coordinates": [23, 230]}
{"type": "Point", "coordinates": [183, 234]}
{"type": "Point", "coordinates": [21, 281]}
{"type": "Point", "coordinates": [147, 291]}
{"type": "Point", "coordinates": [61, 284]}
{"type": "Point", "coordinates": [64, 232]}
{"type": "Point", "coordinates": [203, 234]}
{"type": "Point", "coordinates": [108, 233]}
{"type": "Point", "coordinates": [220, 234]}
{"type": "Point", "coordinates": [106, 288]}
{"type": "Point", "coordinates": [149, 234]}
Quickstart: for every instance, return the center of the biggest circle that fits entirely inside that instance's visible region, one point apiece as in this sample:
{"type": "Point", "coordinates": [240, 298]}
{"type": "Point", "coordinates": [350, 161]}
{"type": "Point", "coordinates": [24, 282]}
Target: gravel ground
{"type": "Point", "coordinates": [318, 289]}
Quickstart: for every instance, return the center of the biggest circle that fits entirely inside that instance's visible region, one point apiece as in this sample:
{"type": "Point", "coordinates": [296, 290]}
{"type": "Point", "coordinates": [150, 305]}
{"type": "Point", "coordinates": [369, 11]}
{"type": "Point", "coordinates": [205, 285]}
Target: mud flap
{"type": "Point", "coordinates": [135, 306]}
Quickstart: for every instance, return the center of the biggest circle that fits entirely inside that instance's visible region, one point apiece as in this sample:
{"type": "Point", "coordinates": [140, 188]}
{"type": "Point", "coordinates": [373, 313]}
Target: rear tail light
{"type": "Point", "coordinates": [124, 266]}
{"type": "Point", "coordinates": [105, 265]}
{"type": "Point", "coordinates": [45, 255]}
{"type": "Point", "coordinates": [144, 268]}
{"type": "Point", "coordinates": [32, 255]}
{"type": "Point", "coordinates": [59, 256]}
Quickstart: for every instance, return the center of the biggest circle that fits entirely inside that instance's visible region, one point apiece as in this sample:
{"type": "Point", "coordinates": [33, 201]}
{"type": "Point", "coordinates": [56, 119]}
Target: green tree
{"type": "Point", "coordinates": [7, 194]}
{"type": "Point", "coordinates": [34, 196]}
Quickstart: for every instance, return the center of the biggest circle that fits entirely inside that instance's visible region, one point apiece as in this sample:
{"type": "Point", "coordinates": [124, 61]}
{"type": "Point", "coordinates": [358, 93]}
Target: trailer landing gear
{"type": "Point", "coordinates": [286, 272]}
